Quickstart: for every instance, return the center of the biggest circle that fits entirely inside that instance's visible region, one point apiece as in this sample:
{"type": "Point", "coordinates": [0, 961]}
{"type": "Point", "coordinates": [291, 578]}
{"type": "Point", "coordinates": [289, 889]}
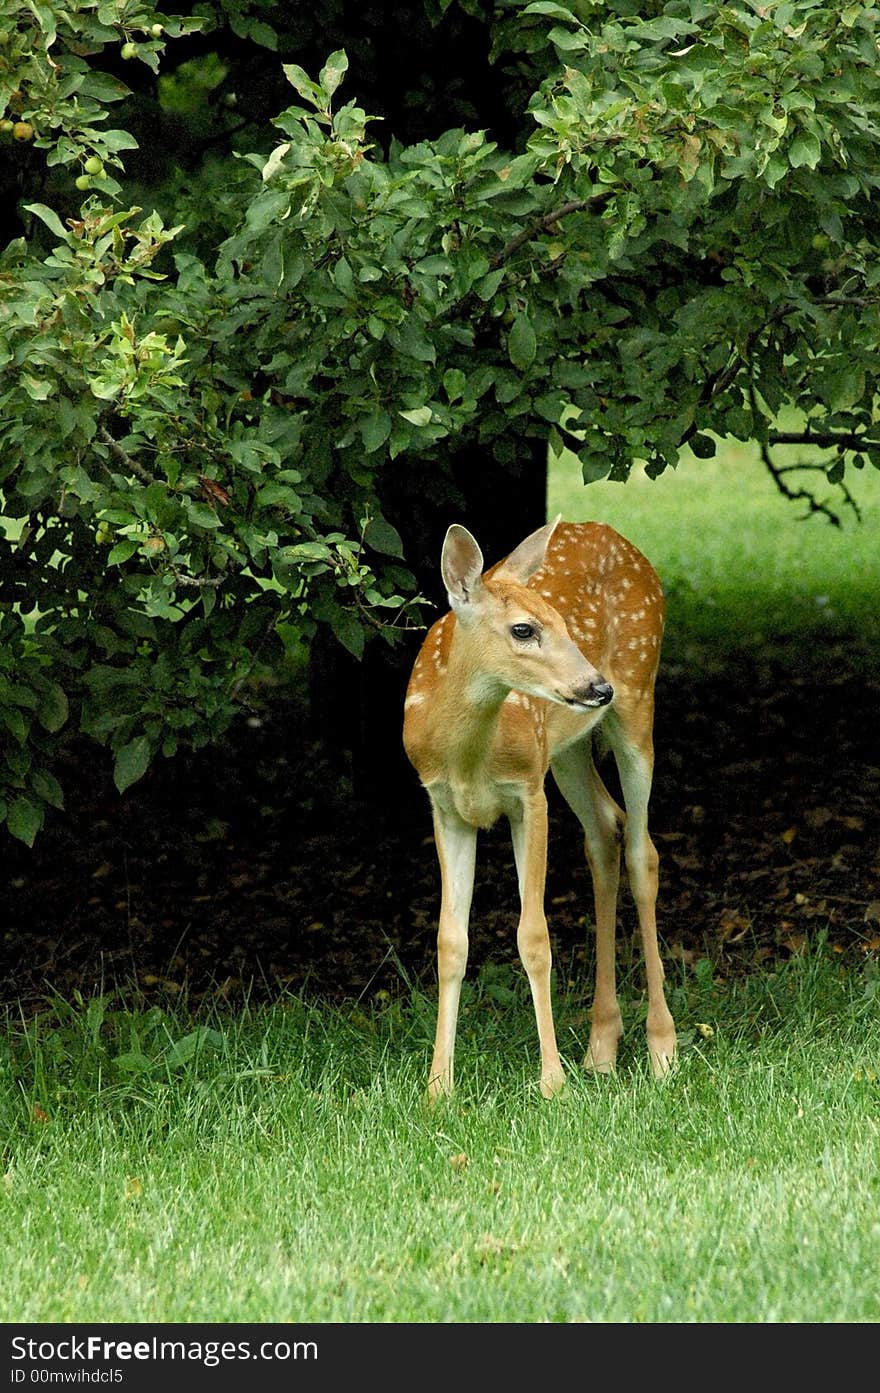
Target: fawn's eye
{"type": "Point", "coordinates": [523, 631]}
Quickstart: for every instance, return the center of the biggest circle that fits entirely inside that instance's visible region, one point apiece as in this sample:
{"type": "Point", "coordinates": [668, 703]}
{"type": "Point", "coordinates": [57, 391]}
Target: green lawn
{"type": "Point", "coordinates": [742, 565]}
{"type": "Point", "coordinates": [289, 1170]}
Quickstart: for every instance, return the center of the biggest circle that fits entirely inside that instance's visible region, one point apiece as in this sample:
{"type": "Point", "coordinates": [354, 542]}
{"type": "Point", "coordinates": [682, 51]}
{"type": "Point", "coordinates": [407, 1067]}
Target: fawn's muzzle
{"type": "Point", "coordinates": [596, 694]}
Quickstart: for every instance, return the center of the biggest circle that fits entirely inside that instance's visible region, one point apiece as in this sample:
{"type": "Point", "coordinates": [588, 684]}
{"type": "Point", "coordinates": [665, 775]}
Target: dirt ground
{"type": "Point", "coordinates": [252, 868]}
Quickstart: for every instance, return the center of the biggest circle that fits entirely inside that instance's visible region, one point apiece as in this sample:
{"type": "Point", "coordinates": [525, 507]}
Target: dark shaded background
{"type": "Point", "coordinates": [254, 869]}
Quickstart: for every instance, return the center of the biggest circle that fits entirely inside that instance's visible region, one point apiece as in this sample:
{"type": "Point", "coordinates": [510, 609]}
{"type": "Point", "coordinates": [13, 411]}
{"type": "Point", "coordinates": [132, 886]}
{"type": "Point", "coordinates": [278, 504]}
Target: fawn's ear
{"type": "Point", "coordinates": [461, 566]}
{"type": "Point", "coordinates": [528, 557]}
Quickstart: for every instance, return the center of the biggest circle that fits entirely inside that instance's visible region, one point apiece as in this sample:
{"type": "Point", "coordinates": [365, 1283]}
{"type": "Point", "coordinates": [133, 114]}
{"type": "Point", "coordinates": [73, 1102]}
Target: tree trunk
{"type": "Point", "coordinates": [357, 707]}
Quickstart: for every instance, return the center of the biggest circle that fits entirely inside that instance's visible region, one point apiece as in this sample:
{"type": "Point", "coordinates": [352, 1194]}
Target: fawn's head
{"type": "Point", "coordinates": [514, 639]}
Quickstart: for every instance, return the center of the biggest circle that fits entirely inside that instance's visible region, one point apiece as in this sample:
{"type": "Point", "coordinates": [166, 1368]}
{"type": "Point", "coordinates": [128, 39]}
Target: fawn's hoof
{"type": "Point", "coordinates": [663, 1060]}
{"type": "Point", "coordinates": [439, 1088]}
{"type": "Point", "coordinates": [601, 1057]}
{"type": "Point", "coordinates": [552, 1083]}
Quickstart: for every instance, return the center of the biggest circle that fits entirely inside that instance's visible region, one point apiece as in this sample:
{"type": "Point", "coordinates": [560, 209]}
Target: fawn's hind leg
{"type": "Point", "coordinates": [601, 818]}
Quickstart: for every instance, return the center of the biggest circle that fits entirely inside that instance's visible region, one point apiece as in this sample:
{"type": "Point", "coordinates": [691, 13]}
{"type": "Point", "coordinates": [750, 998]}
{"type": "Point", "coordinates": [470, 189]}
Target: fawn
{"type": "Point", "coordinates": [561, 636]}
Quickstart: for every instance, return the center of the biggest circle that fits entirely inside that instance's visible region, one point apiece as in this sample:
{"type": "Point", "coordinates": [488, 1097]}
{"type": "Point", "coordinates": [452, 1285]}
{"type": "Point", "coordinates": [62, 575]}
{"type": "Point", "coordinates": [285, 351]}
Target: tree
{"type": "Point", "coordinates": [214, 453]}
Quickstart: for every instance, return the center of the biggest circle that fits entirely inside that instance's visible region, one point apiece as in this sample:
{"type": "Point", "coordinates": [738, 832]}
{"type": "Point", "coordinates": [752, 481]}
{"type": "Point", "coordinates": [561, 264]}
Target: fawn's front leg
{"type": "Point", "coordinates": [456, 843]}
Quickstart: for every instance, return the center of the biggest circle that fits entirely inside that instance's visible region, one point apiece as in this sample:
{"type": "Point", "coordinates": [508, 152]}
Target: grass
{"type": "Point", "coordinates": [279, 1164]}
{"type": "Point", "coordinates": [742, 566]}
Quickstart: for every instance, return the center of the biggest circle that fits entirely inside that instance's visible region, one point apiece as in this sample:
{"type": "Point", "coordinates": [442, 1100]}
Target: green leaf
{"type": "Point", "coordinates": [184, 1049]}
{"type": "Point", "coordinates": [842, 386]}
{"type": "Point", "coordinates": [411, 341]}
{"type": "Point", "coordinates": [563, 39]}
{"type": "Point", "coordinates": [343, 277]}
{"type": "Point", "coordinates": [594, 465]}
{"type": "Point", "coordinates": [14, 722]}
{"type": "Point", "coordinates": [262, 34]}
{"type": "Point", "coordinates": [333, 72]}
{"type": "Point", "coordinates": [434, 266]}
{"type": "Point", "coordinates": [267, 208]}
{"type": "Point", "coordinates": [272, 495]}
{"type": "Point", "coordinates": [307, 551]}
{"type": "Point", "coordinates": [37, 388]}
{"type": "Point", "coordinates": [703, 446]}
{"type": "Point", "coordinates": [47, 22]}
{"type": "Point", "coordinates": [122, 551]}
{"type": "Point", "coordinates": [131, 762]}
{"type": "Point", "coordinates": [381, 536]}
{"type": "Point", "coordinates": [487, 285]}
{"type": "Point", "coordinates": [836, 470]}
{"type": "Point", "coordinates": [17, 759]}
{"type": "Point", "coordinates": [47, 787]}
{"type": "Point", "coordinates": [521, 343]}
{"type": "Point", "coordinates": [299, 78]}
{"type": "Point", "coordinates": [455, 382]}
{"type": "Point", "coordinates": [52, 710]}
{"type": "Point", "coordinates": [49, 217]}
{"type": "Point", "coordinates": [202, 515]}
{"type": "Point", "coordinates": [104, 88]}
{"type": "Point", "coordinates": [24, 820]}
{"type": "Point", "coordinates": [134, 1062]}
{"type": "Point", "coordinates": [804, 150]}
{"type": "Point", "coordinates": [102, 678]}
{"type": "Point", "coordinates": [375, 430]}
{"type": "Point", "coordinates": [544, 7]}
{"type": "Point", "coordinates": [418, 416]}
{"type": "Point", "coordinates": [118, 140]}
{"type": "Point", "coordinates": [349, 631]}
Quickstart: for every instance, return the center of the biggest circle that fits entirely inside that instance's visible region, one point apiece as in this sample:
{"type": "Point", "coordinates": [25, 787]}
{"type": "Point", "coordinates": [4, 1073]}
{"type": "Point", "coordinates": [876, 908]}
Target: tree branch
{"type": "Point", "coordinates": [198, 582]}
{"type": "Point", "coordinates": [859, 302]}
{"type": "Point", "coordinates": [574, 205]}
{"type": "Point", "coordinates": [813, 505]}
{"type": "Point", "coordinates": [841, 484]}
{"type": "Point", "coordinates": [825, 440]}
{"type": "Point", "coordinates": [777, 471]}
{"type": "Point", "coordinates": [122, 457]}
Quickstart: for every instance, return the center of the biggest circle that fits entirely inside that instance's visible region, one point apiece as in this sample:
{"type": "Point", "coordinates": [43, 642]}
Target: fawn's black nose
{"type": "Point", "coordinates": [602, 692]}
{"type": "Point", "coordinates": [593, 695]}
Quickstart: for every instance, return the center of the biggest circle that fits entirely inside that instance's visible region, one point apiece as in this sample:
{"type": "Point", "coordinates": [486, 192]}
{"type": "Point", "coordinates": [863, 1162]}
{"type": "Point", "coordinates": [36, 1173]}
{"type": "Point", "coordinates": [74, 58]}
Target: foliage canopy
{"type": "Point", "coordinates": [208, 392]}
